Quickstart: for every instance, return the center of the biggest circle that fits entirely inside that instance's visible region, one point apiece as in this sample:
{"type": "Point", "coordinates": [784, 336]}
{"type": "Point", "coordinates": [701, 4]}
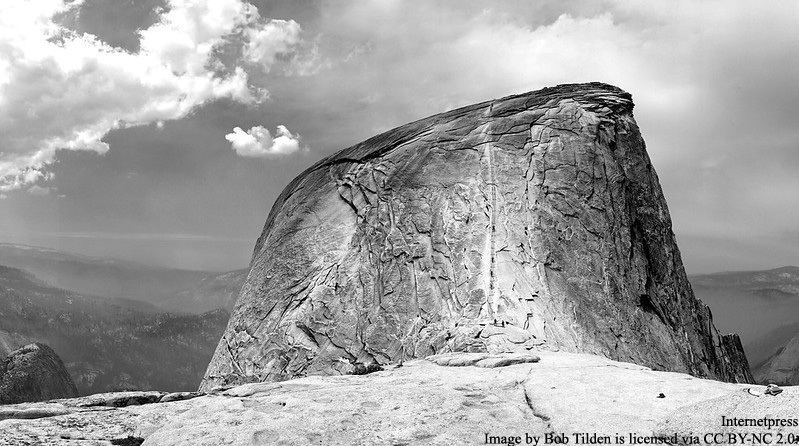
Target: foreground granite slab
{"type": "Point", "coordinates": [419, 402]}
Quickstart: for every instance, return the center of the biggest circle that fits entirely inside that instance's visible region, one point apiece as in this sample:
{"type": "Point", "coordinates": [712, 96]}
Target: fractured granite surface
{"type": "Point", "coordinates": [534, 220]}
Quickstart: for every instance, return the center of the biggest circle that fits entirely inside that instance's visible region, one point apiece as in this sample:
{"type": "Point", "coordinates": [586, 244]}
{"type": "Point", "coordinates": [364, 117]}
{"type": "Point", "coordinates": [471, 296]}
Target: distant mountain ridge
{"type": "Point", "coordinates": [176, 290]}
{"type": "Point", "coordinates": [783, 366]}
{"type": "Point", "coordinates": [763, 308]}
{"type": "Point", "coordinates": [211, 292]}
{"type": "Point", "coordinates": [784, 279]}
{"type": "Point", "coordinates": [107, 344]}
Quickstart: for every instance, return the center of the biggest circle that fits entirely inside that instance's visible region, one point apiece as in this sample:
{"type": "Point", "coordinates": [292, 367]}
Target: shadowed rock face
{"type": "Point", "coordinates": [34, 373]}
{"type": "Point", "coordinates": [533, 220]}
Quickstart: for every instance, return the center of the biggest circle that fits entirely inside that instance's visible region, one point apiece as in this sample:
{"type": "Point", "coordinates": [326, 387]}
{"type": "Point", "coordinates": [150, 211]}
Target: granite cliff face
{"type": "Point", "coordinates": [34, 373]}
{"type": "Point", "coordinates": [531, 221]}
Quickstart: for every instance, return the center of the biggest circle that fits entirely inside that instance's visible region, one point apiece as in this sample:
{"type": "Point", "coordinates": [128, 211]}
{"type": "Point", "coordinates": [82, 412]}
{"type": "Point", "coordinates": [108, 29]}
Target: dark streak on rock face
{"type": "Point", "coordinates": [533, 220]}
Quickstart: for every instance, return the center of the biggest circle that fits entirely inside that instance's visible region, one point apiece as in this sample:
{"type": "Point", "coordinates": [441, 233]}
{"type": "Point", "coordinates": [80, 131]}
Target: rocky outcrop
{"type": "Point", "coordinates": [533, 220]}
{"type": "Point", "coordinates": [34, 373]}
{"type": "Point", "coordinates": [418, 403]}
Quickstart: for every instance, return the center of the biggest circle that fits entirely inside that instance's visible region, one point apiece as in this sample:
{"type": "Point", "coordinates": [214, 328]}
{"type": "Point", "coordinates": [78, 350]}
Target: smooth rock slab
{"type": "Point", "coordinates": [484, 360]}
{"type": "Point", "coordinates": [32, 413]}
{"type": "Point", "coordinates": [123, 399]}
{"type": "Point", "coordinates": [180, 396]}
{"type": "Point", "coordinates": [419, 403]}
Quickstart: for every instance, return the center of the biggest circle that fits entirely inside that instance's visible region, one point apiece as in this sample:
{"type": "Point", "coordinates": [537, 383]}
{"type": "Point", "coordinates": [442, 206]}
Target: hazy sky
{"type": "Point", "coordinates": [163, 130]}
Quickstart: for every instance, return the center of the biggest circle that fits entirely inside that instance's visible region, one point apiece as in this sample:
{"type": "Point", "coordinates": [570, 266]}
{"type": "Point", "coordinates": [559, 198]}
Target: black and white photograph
{"type": "Point", "coordinates": [399, 223]}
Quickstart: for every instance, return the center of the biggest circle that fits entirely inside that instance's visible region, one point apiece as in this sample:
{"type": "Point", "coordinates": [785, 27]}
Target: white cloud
{"type": "Point", "coordinates": [672, 55]}
{"type": "Point", "coordinates": [39, 190]}
{"type": "Point", "coordinates": [267, 42]}
{"type": "Point", "coordinates": [187, 34]}
{"type": "Point", "coordinates": [63, 90]}
{"type": "Point", "coordinates": [257, 142]}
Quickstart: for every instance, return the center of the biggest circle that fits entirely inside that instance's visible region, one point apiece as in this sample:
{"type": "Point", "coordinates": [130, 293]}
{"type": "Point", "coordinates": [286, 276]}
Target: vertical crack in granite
{"type": "Point", "coordinates": [490, 250]}
{"type": "Point", "coordinates": [541, 211]}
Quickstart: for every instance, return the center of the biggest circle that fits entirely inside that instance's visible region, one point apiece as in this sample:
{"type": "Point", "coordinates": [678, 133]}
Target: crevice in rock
{"type": "Point", "coordinates": [536, 412]}
{"type": "Point", "coordinates": [646, 304]}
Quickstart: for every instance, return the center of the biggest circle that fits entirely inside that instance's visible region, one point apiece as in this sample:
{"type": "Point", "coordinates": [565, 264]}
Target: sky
{"type": "Point", "coordinates": [162, 131]}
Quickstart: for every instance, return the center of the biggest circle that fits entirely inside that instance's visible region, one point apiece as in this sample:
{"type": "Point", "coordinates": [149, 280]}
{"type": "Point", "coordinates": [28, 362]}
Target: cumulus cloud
{"type": "Point", "coordinates": [273, 39]}
{"type": "Point", "coordinates": [39, 190]}
{"type": "Point", "coordinates": [60, 89]}
{"type": "Point", "coordinates": [674, 56]}
{"type": "Point", "coordinates": [257, 142]}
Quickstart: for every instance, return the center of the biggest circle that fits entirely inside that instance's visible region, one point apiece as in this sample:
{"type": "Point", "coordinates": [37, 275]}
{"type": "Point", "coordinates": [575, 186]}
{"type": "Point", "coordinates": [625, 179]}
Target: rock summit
{"type": "Point", "coordinates": [532, 221]}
